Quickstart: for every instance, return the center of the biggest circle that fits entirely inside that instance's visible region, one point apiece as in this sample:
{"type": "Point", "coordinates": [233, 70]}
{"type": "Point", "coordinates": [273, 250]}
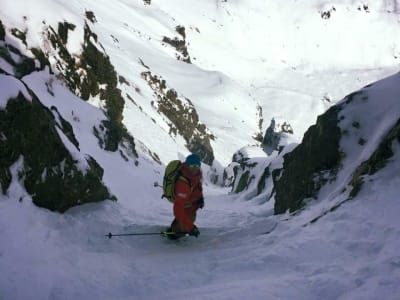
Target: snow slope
{"type": "Point", "coordinates": [245, 54]}
{"type": "Point", "coordinates": [352, 253]}
{"type": "Point", "coordinates": [244, 251]}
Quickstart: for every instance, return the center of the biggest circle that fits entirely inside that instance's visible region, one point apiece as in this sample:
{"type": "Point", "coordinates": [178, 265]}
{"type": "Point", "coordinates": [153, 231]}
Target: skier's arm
{"type": "Point", "coordinates": [197, 195]}
{"type": "Point", "coordinates": [182, 197]}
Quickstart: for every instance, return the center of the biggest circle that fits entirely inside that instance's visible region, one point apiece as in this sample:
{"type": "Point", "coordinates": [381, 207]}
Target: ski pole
{"type": "Point", "coordinates": [146, 233]}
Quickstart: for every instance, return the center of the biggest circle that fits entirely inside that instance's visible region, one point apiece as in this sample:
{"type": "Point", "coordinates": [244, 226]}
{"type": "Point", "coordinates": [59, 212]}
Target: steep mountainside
{"type": "Point", "coordinates": [219, 66]}
{"type": "Point", "coordinates": [97, 96]}
{"type": "Point", "coordinates": [356, 137]}
{"type": "Point", "coordinates": [348, 144]}
{"type": "Point", "coordinates": [39, 142]}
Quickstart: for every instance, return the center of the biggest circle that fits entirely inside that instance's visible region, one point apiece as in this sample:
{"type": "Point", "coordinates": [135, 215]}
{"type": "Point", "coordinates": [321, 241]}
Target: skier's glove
{"type": "Point", "coordinates": [200, 202]}
{"type": "Point", "coordinates": [195, 231]}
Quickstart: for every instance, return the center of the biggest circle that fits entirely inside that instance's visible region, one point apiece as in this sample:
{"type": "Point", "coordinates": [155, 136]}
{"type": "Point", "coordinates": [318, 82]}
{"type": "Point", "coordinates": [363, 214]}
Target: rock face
{"type": "Point", "coordinates": [89, 74]}
{"type": "Point", "coordinates": [2, 32]}
{"type": "Point", "coordinates": [377, 160]}
{"type": "Point", "coordinates": [32, 135]}
{"type": "Point", "coordinates": [304, 168]}
{"type": "Point", "coordinates": [273, 136]}
{"type": "Point", "coordinates": [242, 172]}
{"type": "Point", "coordinates": [92, 75]}
{"type": "Point", "coordinates": [351, 141]}
{"type": "Point", "coordinates": [250, 173]}
{"type": "Point", "coordinates": [179, 44]}
{"type": "Point", "coordinates": [182, 117]}
{"type": "Point", "coordinates": [49, 173]}
{"type": "Point", "coordinates": [271, 139]}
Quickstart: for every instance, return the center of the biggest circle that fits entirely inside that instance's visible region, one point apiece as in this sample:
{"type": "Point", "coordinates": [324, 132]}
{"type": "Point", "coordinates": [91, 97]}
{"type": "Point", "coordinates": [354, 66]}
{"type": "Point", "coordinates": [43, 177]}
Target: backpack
{"type": "Point", "coordinates": [171, 174]}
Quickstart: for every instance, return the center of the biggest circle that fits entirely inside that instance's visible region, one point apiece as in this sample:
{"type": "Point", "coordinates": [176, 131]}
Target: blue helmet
{"type": "Point", "coordinates": [193, 159]}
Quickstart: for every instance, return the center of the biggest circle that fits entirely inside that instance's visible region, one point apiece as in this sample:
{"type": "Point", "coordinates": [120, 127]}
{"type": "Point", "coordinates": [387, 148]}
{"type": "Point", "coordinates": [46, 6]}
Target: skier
{"type": "Point", "coordinates": [188, 198]}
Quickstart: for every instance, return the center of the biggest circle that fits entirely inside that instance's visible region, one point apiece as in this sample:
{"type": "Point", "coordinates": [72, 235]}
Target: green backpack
{"type": "Point", "coordinates": [172, 172]}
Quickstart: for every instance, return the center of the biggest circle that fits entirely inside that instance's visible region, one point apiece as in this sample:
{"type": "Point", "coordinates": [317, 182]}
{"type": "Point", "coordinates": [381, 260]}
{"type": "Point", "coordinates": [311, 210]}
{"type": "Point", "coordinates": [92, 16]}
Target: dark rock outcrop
{"type": "Point", "coordinates": [50, 174]}
{"type": "Point", "coordinates": [30, 132]}
{"type": "Point", "coordinates": [377, 160]}
{"type": "Point", "coordinates": [2, 32]}
{"type": "Point", "coordinates": [97, 70]}
{"type": "Point", "coordinates": [355, 132]}
{"type": "Point", "coordinates": [182, 116]}
{"type": "Point", "coordinates": [179, 44]}
{"type": "Point", "coordinates": [304, 169]}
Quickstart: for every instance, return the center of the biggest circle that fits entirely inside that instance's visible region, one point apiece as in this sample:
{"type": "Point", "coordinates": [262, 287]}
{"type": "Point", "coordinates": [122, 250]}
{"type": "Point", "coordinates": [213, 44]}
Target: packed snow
{"type": "Point", "coordinates": [283, 57]}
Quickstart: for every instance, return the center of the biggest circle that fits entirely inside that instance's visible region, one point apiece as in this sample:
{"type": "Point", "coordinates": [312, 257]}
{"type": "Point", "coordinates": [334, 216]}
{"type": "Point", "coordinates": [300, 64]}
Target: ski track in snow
{"type": "Point", "coordinates": [347, 254]}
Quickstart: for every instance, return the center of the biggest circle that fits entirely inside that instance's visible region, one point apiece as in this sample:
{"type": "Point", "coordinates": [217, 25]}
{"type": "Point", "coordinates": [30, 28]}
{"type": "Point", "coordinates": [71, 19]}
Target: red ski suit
{"type": "Point", "coordinates": [188, 191]}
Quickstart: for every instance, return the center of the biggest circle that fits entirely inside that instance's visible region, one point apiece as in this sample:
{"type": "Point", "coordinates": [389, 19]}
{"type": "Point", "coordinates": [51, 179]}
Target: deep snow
{"type": "Point", "coordinates": [283, 57]}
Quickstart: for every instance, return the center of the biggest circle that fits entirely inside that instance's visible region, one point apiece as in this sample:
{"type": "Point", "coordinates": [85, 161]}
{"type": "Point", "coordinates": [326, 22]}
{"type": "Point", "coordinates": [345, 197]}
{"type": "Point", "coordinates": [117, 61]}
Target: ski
{"type": "Point", "coordinates": [110, 235]}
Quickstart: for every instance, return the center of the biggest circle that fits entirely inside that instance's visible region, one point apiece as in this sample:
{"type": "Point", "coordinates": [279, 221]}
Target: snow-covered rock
{"type": "Point", "coordinates": [352, 139]}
